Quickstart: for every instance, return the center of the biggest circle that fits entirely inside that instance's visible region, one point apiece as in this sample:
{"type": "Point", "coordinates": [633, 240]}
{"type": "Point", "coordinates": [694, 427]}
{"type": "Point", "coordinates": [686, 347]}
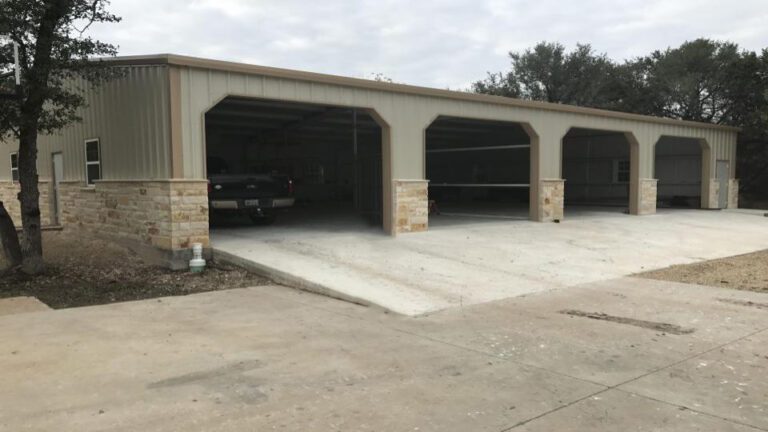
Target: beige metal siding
{"type": "Point", "coordinates": [130, 116]}
{"type": "Point", "coordinates": [409, 114]}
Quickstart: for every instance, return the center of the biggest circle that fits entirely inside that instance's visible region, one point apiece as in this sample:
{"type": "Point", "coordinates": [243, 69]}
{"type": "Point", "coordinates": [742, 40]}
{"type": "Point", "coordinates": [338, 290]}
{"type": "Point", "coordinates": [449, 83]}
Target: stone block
{"type": "Point", "coordinates": [714, 194]}
{"type": "Point", "coordinates": [551, 199]}
{"type": "Point", "coordinates": [648, 191]}
{"type": "Point", "coordinates": [733, 194]}
{"type": "Point", "coordinates": [145, 211]}
{"type": "Point", "coordinates": [411, 206]}
{"type": "Point", "coordinates": [162, 242]}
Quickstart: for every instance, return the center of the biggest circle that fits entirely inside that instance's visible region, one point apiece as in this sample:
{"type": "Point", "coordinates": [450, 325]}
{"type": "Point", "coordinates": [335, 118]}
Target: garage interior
{"type": "Point", "coordinates": [332, 154]}
{"type": "Point", "coordinates": [678, 170]}
{"type": "Point", "coordinates": [477, 169]}
{"type": "Point", "coordinates": [596, 170]}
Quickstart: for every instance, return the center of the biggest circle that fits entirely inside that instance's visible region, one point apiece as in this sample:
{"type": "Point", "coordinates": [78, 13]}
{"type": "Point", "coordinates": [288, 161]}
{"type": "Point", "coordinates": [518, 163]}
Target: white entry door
{"type": "Point", "coordinates": [58, 176]}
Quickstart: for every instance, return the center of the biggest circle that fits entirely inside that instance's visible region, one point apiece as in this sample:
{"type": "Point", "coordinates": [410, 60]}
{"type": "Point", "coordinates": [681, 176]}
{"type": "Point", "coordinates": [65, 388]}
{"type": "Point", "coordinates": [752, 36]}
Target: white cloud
{"type": "Point", "coordinates": [439, 43]}
{"type": "Point", "coordinates": [234, 9]}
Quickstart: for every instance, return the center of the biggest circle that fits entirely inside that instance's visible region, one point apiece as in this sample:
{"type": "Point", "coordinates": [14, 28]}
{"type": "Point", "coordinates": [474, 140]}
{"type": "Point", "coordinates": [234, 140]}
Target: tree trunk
{"type": "Point", "coordinates": [9, 238]}
{"type": "Point", "coordinates": [29, 197]}
{"type": "Point", "coordinates": [31, 110]}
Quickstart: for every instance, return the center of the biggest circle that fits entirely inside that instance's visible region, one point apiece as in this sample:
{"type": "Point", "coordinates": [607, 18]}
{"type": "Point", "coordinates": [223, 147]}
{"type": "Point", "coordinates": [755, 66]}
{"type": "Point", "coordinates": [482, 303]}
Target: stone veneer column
{"type": "Point", "coordinates": [551, 196]}
{"type": "Point", "coordinates": [733, 193]}
{"type": "Point", "coordinates": [648, 191]}
{"type": "Point", "coordinates": [713, 200]}
{"type": "Point", "coordinates": [411, 205]}
{"type": "Point", "coordinates": [189, 213]}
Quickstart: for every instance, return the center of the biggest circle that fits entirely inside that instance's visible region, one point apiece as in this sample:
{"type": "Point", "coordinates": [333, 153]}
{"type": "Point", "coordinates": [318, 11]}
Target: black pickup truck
{"type": "Point", "coordinates": [256, 195]}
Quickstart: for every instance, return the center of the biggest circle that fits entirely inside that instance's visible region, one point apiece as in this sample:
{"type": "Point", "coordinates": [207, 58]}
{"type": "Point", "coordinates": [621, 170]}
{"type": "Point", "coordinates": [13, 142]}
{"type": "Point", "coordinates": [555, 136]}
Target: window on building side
{"type": "Point", "coordinates": [15, 167]}
{"type": "Point", "coordinates": [621, 171]}
{"type": "Point", "coordinates": [92, 161]}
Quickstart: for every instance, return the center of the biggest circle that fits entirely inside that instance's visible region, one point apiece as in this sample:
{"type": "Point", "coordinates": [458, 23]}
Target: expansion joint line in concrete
{"type": "Point", "coordinates": [654, 371]}
{"type": "Point", "coordinates": [605, 389]}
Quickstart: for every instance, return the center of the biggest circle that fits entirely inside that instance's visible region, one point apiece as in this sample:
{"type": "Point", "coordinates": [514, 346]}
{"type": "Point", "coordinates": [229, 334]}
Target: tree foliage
{"type": "Point", "coordinates": [71, 58]}
{"type": "Point", "coordinates": [56, 63]}
{"type": "Point", "coordinates": [695, 81]}
{"type": "Point", "coordinates": [548, 73]}
{"type": "Point", "coordinates": [380, 77]}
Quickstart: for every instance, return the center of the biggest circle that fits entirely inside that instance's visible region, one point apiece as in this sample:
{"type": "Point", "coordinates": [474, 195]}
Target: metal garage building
{"type": "Point", "coordinates": [136, 166]}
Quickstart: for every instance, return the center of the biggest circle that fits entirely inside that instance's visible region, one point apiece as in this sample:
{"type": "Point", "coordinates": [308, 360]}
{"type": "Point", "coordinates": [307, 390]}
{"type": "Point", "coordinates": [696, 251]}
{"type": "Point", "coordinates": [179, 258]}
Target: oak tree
{"type": "Point", "coordinates": [55, 53]}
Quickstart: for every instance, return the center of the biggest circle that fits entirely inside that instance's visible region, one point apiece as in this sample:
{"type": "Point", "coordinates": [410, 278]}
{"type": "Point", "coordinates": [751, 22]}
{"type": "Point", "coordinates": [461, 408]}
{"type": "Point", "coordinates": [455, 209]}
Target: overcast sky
{"type": "Point", "coordinates": [424, 42]}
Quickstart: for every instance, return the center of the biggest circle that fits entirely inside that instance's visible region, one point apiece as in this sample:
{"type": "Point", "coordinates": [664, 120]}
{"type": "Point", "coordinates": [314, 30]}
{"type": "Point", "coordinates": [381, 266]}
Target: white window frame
{"type": "Point", "coordinates": [16, 180]}
{"type": "Point", "coordinates": [616, 169]}
{"type": "Point", "coordinates": [97, 162]}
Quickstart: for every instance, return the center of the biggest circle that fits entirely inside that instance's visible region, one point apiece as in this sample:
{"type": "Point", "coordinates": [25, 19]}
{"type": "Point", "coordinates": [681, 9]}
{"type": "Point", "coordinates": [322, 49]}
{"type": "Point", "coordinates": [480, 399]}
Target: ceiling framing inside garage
{"type": "Point", "coordinates": [308, 122]}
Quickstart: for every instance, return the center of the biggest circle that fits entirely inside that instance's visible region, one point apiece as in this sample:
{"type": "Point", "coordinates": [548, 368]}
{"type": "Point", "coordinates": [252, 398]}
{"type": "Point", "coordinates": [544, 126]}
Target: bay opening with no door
{"type": "Point", "coordinates": [332, 156]}
{"type": "Point", "coordinates": [477, 169]}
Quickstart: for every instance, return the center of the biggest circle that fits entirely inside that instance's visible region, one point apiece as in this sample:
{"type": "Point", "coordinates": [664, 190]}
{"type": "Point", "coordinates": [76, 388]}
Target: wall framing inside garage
{"type": "Point", "coordinates": [588, 154]}
{"type": "Point", "coordinates": [474, 160]}
{"type": "Point", "coordinates": [672, 152]}
{"type": "Point", "coordinates": [332, 154]}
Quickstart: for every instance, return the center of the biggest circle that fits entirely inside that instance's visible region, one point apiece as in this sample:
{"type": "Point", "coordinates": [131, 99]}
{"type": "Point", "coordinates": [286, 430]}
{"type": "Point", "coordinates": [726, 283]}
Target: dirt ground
{"type": "Point", "coordinates": [84, 272]}
{"type": "Point", "coordinates": [747, 272]}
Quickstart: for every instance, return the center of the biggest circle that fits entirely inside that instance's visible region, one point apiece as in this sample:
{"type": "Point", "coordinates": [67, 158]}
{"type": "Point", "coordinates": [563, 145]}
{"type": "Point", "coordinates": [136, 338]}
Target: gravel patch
{"type": "Point", "coordinates": [747, 272]}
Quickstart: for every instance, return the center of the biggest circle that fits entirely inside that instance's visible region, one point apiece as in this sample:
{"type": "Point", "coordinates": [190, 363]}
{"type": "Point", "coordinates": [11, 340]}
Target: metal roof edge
{"type": "Point", "coordinates": [227, 66]}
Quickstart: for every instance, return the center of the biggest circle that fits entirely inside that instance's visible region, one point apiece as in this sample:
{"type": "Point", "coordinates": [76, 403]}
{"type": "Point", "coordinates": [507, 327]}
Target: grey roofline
{"type": "Point", "coordinates": [226, 66]}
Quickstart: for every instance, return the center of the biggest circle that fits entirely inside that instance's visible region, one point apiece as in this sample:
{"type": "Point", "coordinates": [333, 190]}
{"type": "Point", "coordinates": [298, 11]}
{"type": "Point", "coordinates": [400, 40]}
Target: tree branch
{"type": "Point", "coordinates": [92, 18]}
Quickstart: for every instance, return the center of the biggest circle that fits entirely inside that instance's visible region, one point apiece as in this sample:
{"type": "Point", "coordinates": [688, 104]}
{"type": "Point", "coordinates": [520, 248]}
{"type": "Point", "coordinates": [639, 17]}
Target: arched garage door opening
{"type": "Point", "coordinates": [478, 170]}
{"type": "Point", "coordinates": [677, 166]}
{"type": "Point", "coordinates": [290, 164]}
{"type": "Point", "coordinates": [596, 167]}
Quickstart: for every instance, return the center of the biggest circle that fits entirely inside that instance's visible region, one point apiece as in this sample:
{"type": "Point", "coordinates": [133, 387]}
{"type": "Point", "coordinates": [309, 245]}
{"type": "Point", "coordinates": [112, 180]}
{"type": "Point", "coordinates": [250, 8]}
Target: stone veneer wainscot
{"type": "Point", "coordinates": [648, 192]}
{"type": "Point", "coordinates": [733, 193]}
{"type": "Point", "coordinates": [167, 214]}
{"type": "Point", "coordinates": [411, 205]}
{"type": "Point", "coordinates": [551, 199]}
{"type": "Point", "coordinates": [9, 196]}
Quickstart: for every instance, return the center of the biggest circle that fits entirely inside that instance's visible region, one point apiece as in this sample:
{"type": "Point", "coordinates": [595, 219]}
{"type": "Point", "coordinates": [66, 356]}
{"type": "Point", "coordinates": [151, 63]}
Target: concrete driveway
{"type": "Point", "coordinates": [466, 260]}
{"type": "Point", "coordinates": [623, 354]}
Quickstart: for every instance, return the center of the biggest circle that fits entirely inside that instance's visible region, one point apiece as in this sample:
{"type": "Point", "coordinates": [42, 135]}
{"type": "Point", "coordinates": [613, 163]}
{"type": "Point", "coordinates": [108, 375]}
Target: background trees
{"type": "Point", "coordinates": [548, 73]}
{"type": "Point", "coordinates": [701, 80]}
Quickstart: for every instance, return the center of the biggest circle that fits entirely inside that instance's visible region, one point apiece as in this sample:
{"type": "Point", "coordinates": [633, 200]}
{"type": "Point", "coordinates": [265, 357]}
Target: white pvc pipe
{"type": "Point", "coordinates": [197, 263]}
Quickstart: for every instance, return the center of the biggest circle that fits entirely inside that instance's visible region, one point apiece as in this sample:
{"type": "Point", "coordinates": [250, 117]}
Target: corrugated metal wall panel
{"type": "Point", "coordinates": [409, 114]}
{"type": "Point", "coordinates": [129, 115]}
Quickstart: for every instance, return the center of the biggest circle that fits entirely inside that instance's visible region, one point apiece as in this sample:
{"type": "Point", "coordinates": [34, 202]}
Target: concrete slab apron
{"type": "Point", "coordinates": [615, 410]}
{"type": "Point", "coordinates": [15, 305]}
{"type": "Point", "coordinates": [254, 359]}
{"type": "Point", "coordinates": [709, 379]}
{"type": "Point", "coordinates": [533, 331]}
{"type": "Point", "coordinates": [269, 358]}
{"type": "Point", "coordinates": [479, 261]}
{"type": "Point", "coordinates": [729, 382]}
